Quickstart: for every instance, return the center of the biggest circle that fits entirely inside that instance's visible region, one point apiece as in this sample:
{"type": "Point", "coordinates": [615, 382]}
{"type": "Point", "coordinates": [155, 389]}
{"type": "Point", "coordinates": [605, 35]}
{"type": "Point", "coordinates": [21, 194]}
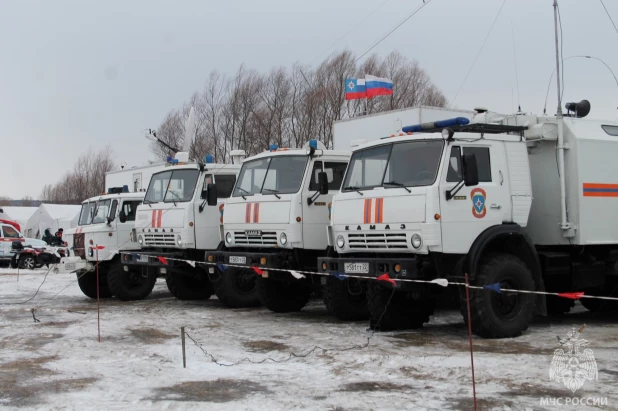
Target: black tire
{"type": "Point", "coordinates": [188, 288]}
{"type": "Point", "coordinates": [347, 299]}
{"type": "Point", "coordinates": [602, 306]}
{"type": "Point", "coordinates": [135, 284]}
{"type": "Point", "coordinates": [396, 310]}
{"type": "Point", "coordinates": [88, 284]}
{"type": "Point", "coordinates": [503, 315]}
{"type": "Point", "coordinates": [283, 297]}
{"type": "Point", "coordinates": [27, 262]}
{"type": "Point", "coordinates": [237, 288]}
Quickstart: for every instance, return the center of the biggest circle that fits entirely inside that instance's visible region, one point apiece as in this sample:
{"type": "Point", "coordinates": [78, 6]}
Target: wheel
{"type": "Point", "coordinates": [88, 284]}
{"type": "Point", "coordinates": [135, 284]}
{"type": "Point", "coordinates": [396, 310]}
{"type": "Point", "coordinates": [346, 299]}
{"type": "Point", "coordinates": [283, 297]}
{"type": "Point", "coordinates": [187, 287]}
{"type": "Point", "coordinates": [602, 306]}
{"type": "Point", "coordinates": [237, 288]}
{"type": "Point", "coordinates": [27, 262]}
{"type": "Point", "coordinates": [506, 314]}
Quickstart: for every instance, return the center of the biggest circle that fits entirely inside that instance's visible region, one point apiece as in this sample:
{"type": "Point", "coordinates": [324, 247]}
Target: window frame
{"type": "Point", "coordinates": [326, 164]}
{"type": "Point", "coordinates": [488, 148]}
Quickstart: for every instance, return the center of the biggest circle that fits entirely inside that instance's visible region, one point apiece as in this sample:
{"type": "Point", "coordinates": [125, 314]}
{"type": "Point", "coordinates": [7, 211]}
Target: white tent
{"type": "Point", "coordinates": [20, 215]}
{"type": "Point", "coordinates": [52, 216]}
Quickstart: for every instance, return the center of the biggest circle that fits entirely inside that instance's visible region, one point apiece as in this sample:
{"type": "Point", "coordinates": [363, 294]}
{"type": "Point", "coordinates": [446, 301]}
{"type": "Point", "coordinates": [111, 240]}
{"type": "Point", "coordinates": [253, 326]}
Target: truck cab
{"type": "Point", "coordinates": [103, 232]}
{"type": "Point", "coordinates": [276, 217]}
{"type": "Point", "coordinates": [175, 223]}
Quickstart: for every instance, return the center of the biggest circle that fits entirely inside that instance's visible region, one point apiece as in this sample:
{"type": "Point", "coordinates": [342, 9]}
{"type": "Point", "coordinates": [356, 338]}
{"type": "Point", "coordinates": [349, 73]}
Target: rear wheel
{"type": "Point", "coordinates": [88, 284]}
{"type": "Point", "coordinates": [283, 297]}
{"type": "Point", "coordinates": [396, 310]}
{"type": "Point", "coordinates": [135, 284]}
{"type": "Point", "coordinates": [237, 288]}
{"type": "Point", "coordinates": [27, 262]}
{"type": "Point", "coordinates": [187, 287]}
{"type": "Point", "coordinates": [346, 299]}
{"type": "Point", "coordinates": [505, 314]}
{"type": "Point", "coordinates": [602, 306]}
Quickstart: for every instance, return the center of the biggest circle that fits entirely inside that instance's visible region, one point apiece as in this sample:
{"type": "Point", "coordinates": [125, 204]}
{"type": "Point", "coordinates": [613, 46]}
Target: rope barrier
{"type": "Point", "coordinates": [443, 282]}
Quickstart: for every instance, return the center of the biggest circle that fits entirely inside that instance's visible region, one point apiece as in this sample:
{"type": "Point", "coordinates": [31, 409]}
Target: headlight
{"type": "Point", "coordinates": [228, 237]}
{"type": "Point", "coordinates": [340, 241]}
{"type": "Point", "coordinates": [140, 240]}
{"type": "Point", "coordinates": [283, 239]}
{"type": "Point", "coordinates": [416, 241]}
{"type": "Point", "coordinates": [179, 241]}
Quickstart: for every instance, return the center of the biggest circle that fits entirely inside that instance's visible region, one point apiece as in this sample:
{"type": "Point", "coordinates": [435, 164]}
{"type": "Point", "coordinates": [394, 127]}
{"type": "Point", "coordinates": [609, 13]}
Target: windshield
{"type": "Point", "coordinates": [409, 164]}
{"type": "Point", "coordinates": [172, 186]}
{"type": "Point", "coordinates": [101, 211]}
{"type": "Point", "coordinates": [272, 175]}
{"type": "Point", "coordinates": [85, 216]}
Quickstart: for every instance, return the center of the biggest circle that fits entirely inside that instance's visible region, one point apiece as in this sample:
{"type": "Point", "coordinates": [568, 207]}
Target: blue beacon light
{"type": "Point", "coordinates": [452, 122]}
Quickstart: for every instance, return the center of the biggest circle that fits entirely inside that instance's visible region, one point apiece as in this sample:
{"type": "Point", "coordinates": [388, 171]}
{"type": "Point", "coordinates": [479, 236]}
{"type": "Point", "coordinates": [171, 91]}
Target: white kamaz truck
{"type": "Point", "coordinates": [276, 218]}
{"type": "Point", "coordinates": [523, 201]}
{"type": "Point", "coordinates": [174, 222]}
{"type": "Point", "coordinates": [103, 232]}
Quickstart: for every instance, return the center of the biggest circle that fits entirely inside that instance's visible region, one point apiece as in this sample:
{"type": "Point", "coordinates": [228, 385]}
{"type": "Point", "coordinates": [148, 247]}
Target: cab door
{"type": "Point", "coordinates": [317, 215]}
{"type": "Point", "coordinates": [129, 208]}
{"type": "Point", "coordinates": [209, 219]}
{"type": "Point", "coordinates": [473, 209]}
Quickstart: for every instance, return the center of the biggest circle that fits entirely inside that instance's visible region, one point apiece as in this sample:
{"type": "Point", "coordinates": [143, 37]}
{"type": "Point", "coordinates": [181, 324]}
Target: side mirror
{"type": "Point", "coordinates": [110, 219]}
{"type": "Point", "coordinates": [204, 193]}
{"type": "Point", "coordinates": [323, 182]}
{"type": "Point", "coordinates": [470, 170]}
{"type": "Point", "coordinates": [211, 195]}
{"type": "Point", "coordinates": [122, 217]}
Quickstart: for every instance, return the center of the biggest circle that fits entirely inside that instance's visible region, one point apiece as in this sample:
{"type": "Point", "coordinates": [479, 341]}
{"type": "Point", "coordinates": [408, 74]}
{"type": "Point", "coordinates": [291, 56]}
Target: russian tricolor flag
{"type": "Point", "coordinates": [378, 86]}
{"type": "Point", "coordinates": [355, 88]}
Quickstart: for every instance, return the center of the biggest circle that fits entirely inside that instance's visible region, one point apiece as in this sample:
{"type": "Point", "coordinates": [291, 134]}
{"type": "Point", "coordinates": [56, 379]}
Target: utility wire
{"type": "Point", "coordinates": [393, 30]}
{"type": "Point", "coordinates": [479, 53]}
{"type": "Point", "coordinates": [610, 17]}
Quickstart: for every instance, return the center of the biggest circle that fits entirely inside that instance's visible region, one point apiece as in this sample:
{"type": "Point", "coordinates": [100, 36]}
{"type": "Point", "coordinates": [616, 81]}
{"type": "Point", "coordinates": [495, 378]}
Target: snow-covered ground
{"type": "Point", "coordinates": [57, 363]}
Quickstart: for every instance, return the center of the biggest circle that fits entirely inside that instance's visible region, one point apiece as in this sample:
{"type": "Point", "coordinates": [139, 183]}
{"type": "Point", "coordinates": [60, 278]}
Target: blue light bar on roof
{"type": "Point", "coordinates": [314, 144]}
{"type": "Point", "coordinates": [452, 122]}
{"type": "Point", "coordinates": [125, 188]}
{"type": "Point", "coordinates": [274, 147]}
{"type": "Point", "coordinates": [209, 159]}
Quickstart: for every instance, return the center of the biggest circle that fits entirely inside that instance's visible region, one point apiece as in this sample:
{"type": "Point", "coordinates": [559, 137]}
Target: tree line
{"type": "Point", "coordinates": [251, 110]}
{"type": "Point", "coordinates": [87, 179]}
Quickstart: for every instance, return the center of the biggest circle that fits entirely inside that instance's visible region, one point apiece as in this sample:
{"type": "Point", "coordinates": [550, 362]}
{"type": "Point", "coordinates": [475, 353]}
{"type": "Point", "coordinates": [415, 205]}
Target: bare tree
{"type": "Point", "coordinates": [250, 110]}
{"type": "Point", "coordinates": [5, 201]}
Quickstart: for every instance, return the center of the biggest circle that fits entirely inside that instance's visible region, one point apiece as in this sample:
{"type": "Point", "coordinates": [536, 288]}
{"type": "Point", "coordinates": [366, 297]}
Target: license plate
{"type": "Point", "coordinates": [238, 260]}
{"type": "Point", "coordinates": [69, 266]}
{"type": "Point", "coordinates": [356, 268]}
{"type": "Point", "coordinates": [253, 233]}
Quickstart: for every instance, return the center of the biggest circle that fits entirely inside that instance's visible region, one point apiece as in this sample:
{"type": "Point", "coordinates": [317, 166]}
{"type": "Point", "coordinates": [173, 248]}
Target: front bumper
{"type": "Point", "coordinates": [262, 260]}
{"type": "Point", "coordinates": [405, 268]}
{"type": "Point", "coordinates": [74, 264]}
{"type": "Point", "coordinates": [164, 262]}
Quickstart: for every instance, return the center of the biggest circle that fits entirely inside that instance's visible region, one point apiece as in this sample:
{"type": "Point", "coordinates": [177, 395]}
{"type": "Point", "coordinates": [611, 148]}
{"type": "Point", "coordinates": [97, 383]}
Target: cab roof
{"type": "Point", "coordinates": [298, 152]}
{"type": "Point", "coordinates": [137, 195]}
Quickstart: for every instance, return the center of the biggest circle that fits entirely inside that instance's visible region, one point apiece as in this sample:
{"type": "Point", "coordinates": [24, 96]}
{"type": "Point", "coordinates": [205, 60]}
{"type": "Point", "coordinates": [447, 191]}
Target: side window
{"type": "Point", "coordinates": [225, 185]}
{"type": "Point", "coordinates": [130, 209]}
{"type": "Point", "coordinates": [482, 160]}
{"type": "Point", "coordinates": [10, 232]}
{"type": "Point", "coordinates": [334, 173]}
{"type": "Point", "coordinates": [454, 166]}
{"type": "Point", "coordinates": [112, 213]}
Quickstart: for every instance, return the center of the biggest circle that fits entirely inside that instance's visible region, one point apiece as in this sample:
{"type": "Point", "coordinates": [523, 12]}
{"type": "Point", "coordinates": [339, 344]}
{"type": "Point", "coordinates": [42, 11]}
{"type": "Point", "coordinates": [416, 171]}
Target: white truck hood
{"type": "Point", "coordinates": [161, 215]}
{"type": "Point", "coordinates": [256, 211]}
{"type": "Point", "coordinates": [380, 207]}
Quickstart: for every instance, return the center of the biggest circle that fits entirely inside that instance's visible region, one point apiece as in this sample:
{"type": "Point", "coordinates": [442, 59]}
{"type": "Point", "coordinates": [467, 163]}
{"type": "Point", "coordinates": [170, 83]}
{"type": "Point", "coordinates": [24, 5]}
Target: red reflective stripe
{"type": "Point", "coordinates": [248, 213]}
{"type": "Point", "coordinates": [256, 213]}
{"type": "Point", "coordinates": [153, 222]}
{"type": "Point", "coordinates": [160, 218]}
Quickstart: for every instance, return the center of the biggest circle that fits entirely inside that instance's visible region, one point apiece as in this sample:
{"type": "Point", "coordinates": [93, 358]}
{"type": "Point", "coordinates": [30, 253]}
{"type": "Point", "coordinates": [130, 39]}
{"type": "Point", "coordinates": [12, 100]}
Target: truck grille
{"type": "Point", "coordinates": [155, 240]}
{"type": "Point", "coordinates": [266, 238]}
{"type": "Point", "coordinates": [377, 241]}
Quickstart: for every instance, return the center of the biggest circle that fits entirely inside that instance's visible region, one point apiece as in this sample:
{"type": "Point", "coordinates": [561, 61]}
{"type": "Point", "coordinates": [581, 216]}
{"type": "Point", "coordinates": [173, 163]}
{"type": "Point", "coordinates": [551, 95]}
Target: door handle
{"type": "Point", "coordinates": [496, 206]}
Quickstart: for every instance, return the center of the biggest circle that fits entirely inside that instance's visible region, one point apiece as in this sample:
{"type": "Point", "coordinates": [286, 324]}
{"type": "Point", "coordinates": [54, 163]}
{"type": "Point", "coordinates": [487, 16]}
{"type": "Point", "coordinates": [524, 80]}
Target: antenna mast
{"type": "Point", "coordinates": [559, 112]}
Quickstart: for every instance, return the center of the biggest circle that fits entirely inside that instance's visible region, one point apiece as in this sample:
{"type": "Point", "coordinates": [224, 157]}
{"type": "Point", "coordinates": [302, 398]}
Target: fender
{"type": "Point", "coordinates": [525, 250]}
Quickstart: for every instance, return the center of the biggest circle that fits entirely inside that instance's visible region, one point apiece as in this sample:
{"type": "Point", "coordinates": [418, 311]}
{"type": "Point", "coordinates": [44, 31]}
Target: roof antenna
{"type": "Point", "coordinates": [516, 76]}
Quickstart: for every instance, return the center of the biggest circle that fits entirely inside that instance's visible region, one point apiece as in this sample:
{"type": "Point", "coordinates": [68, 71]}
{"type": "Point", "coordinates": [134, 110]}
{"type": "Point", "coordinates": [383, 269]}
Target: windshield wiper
{"type": "Point", "coordinates": [354, 188]}
{"type": "Point", "coordinates": [176, 195]}
{"type": "Point", "coordinates": [395, 183]}
{"type": "Point", "coordinates": [272, 191]}
{"type": "Point", "coordinates": [242, 189]}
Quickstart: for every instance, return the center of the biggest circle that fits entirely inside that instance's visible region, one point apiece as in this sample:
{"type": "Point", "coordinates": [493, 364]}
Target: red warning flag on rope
{"type": "Point", "coordinates": [257, 271]}
{"type": "Point", "coordinates": [385, 277]}
{"type": "Point", "coordinates": [572, 296]}
{"type": "Point", "coordinates": [99, 247]}
{"type": "Point", "coordinates": [163, 260]}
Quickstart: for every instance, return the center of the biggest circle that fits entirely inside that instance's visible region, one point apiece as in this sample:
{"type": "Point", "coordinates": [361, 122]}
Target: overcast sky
{"type": "Point", "coordinates": [79, 74]}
